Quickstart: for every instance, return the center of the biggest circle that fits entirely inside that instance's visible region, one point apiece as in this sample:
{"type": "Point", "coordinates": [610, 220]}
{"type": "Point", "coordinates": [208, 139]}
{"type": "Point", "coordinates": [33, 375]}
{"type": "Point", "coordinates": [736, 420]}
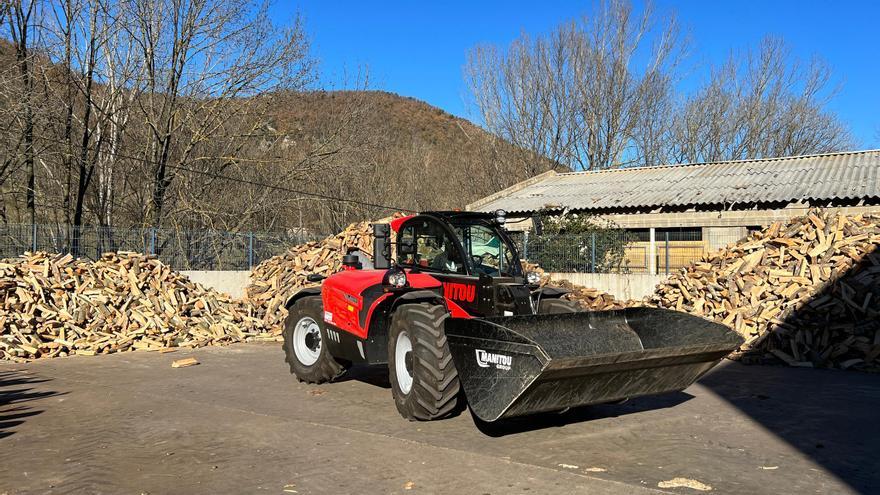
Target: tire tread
{"type": "Point", "coordinates": [436, 389]}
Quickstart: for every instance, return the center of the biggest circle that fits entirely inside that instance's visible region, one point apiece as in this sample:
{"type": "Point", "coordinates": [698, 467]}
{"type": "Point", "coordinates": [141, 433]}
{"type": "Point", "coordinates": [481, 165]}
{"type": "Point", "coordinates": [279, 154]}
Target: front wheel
{"type": "Point", "coordinates": [304, 337]}
{"type": "Point", "coordinates": [424, 381]}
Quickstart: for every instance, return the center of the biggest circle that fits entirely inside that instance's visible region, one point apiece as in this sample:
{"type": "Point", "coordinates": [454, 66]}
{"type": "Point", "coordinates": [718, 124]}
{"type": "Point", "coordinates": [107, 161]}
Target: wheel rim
{"type": "Point", "coordinates": [307, 341]}
{"type": "Point", "coordinates": [403, 363]}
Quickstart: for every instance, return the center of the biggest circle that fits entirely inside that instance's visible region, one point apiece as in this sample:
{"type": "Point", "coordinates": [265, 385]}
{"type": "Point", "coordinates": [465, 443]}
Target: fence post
{"type": "Point", "coordinates": [593, 253]}
{"type": "Point", "coordinates": [250, 250]}
{"type": "Point", "coordinates": [652, 251]}
{"type": "Point", "coordinates": [667, 253]}
{"type": "Point", "coordinates": [152, 240]}
{"type": "Point", "coordinates": [34, 238]}
{"type": "Point", "coordinates": [525, 253]}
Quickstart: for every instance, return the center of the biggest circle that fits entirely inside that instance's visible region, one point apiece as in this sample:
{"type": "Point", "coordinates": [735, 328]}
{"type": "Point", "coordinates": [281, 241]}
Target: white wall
{"type": "Point", "coordinates": [230, 282]}
{"type": "Point", "coordinates": [621, 286]}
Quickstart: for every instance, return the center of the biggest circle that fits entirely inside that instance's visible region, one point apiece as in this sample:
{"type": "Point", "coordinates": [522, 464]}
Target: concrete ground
{"type": "Point", "coordinates": [239, 423]}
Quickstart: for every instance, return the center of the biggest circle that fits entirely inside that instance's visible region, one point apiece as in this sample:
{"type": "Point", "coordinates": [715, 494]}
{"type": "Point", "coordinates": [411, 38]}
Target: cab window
{"type": "Point", "coordinates": [489, 253]}
{"type": "Point", "coordinates": [425, 244]}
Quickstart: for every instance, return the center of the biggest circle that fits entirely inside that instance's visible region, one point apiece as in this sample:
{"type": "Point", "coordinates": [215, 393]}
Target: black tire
{"type": "Point", "coordinates": [324, 368]}
{"type": "Point", "coordinates": [558, 306]}
{"type": "Point", "coordinates": [434, 390]}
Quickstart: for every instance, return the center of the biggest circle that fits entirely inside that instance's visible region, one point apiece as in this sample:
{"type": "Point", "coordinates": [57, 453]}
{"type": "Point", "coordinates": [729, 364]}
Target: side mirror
{"type": "Point", "coordinates": [315, 277]}
{"type": "Point", "coordinates": [406, 247]}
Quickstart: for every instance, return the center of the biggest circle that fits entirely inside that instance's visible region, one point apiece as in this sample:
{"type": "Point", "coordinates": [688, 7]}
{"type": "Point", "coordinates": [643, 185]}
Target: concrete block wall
{"type": "Point", "coordinates": [619, 285]}
{"type": "Point", "coordinates": [231, 282]}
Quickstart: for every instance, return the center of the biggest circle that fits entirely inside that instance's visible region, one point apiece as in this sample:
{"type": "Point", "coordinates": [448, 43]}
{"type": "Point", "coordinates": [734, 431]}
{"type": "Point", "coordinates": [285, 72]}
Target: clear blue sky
{"type": "Point", "coordinates": [418, 48]}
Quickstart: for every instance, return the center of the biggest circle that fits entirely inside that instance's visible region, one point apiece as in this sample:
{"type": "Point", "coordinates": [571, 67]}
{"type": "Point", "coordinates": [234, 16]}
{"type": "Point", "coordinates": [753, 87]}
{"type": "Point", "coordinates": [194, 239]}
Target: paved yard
{"type": "Point", "coordinates": [239, 423]}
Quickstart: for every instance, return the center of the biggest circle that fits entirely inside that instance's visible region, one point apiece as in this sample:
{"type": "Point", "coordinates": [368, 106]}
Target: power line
{"type": "Point", "coordinates": [286, 189]}
{"type": "Point", "coordinates": [255, 183]}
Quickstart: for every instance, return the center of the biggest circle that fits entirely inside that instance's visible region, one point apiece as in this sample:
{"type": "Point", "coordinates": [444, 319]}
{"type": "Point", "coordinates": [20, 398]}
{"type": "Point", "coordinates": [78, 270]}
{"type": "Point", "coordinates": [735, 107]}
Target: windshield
{"type": "Point", "coordinates": [487, 250]}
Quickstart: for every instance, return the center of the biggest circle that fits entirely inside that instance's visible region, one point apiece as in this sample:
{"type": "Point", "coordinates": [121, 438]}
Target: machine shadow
{"type": "Point", "coordinates": [16, 392]}
{"type": "Point", "coordinates": [830, 416]}
{"type": "Point", "coordinates": [542, 421]}
{"type": "Point", "coordinates": [373, 375]}
{"type": "Point", "coordinates": [378, 376]}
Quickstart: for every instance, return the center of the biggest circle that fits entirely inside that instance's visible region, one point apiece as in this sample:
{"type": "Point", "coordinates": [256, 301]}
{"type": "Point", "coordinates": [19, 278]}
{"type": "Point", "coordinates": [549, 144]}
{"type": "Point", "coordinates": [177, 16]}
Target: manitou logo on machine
{"type": "Point", "coordinates": [459, 292]}
{"type": "Point", "coordinates": [502, 362]}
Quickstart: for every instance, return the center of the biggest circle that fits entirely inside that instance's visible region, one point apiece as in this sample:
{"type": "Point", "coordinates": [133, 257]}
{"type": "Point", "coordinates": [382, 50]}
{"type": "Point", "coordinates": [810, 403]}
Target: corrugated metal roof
{"type": "Point", "coordinates": [850, 175]}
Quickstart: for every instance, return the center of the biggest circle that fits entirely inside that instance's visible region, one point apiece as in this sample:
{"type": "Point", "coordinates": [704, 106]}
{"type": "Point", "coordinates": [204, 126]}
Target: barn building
{"type": "Point", "coordinates": [699, 206]}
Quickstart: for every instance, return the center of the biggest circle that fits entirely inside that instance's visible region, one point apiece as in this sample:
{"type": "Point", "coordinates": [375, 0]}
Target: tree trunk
{"type": "Point", "coordinates": [85, 163]}
{"type": "Point", "coordinates": [68, 121]}
{"type": "Point", "coordinates": [161, 181]}
{"type": "Point", "coordinates": [22, 57]}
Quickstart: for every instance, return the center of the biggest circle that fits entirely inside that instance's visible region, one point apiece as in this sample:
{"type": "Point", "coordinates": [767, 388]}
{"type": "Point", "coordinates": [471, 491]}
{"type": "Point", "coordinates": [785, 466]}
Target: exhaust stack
{"type": "Point", "coordinates": [381, 246]}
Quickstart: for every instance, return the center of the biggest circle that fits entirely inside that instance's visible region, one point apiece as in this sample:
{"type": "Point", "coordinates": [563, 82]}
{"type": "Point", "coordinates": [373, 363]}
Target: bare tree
{"type": "Point", "coordinates": [205, 60]}
{"type": "Point", "coordinates": [21, 16]}
{"type": "Point", "coordinates": [577, 96]}
{"type": "Point", "coordinates": [762, 103]}
{"type": "Point", "coordinates": [150, 117]}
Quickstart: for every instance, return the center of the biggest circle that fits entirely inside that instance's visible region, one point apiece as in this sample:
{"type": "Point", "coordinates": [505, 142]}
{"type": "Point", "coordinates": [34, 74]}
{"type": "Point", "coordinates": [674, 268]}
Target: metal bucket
{"type": "Point", "coordinates": [518, 365]}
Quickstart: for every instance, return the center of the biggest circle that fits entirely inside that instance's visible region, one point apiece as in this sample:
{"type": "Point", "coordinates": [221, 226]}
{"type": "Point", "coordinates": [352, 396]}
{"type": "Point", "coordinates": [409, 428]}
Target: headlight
{"type": "Point", "coordinates": [397, 279]}
{"type": "Point", "coordinates": [533, 278]}
{"type": "Point", "coordinates": [500, 217]}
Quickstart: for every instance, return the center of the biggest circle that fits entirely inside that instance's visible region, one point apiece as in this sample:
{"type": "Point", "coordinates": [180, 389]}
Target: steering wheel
{"type": "Point", "coordinates": [492, 258]}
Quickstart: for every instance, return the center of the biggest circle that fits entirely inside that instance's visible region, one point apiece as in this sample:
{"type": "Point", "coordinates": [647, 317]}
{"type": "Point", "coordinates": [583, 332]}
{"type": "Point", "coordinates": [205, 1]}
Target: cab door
{"type": "Point", "coordinates": [427, 245]}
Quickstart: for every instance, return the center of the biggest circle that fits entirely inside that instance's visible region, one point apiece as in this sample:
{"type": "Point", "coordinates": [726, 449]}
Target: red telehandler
{"type": "Point", "coordinates": [455, 318]}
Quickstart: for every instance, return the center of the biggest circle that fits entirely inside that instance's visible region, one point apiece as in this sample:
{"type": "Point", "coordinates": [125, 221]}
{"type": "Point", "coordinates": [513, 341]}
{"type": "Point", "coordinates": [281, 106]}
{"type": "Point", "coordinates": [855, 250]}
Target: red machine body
{"type": "Point", "coordinates": [352, 296]}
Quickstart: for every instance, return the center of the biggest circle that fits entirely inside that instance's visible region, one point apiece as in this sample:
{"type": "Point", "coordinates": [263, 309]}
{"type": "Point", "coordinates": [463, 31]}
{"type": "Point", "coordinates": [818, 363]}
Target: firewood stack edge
{"type": "Point", "coordinates": [804, 292]}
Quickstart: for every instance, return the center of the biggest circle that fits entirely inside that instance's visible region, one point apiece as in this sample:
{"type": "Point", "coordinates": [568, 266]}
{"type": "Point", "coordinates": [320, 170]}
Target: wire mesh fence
{"type": "Point", "coordinates": [620, 251]}
{"type": "Point", "coordinates": [611, 251]}
{"type": "Point", "coordinates": [181, 249]}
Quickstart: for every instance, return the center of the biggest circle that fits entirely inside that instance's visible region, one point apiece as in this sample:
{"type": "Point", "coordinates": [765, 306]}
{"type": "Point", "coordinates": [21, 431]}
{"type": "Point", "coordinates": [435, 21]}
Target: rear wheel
{"type": "Point", "coordinates": [558, 306]}
{"type": "Point", "coordinates": [304, 335]}
{"type": "Point", "coordinates": [424, 381]}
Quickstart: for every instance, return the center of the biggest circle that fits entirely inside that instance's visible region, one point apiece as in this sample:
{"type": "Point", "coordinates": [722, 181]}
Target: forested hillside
{"type": "Point", "coordinates": [109, 117]}
{"type": "Point", "coordinates": [378, 147]}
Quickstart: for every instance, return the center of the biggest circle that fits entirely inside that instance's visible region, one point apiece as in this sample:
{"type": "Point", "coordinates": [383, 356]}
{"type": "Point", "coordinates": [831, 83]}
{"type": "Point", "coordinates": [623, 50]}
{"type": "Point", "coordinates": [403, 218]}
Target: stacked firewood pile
{"type": "Point", "coordinates": [55, 305]}
{"type": "Point", "coordinates": [276, 279]}
{"type": "Point", "coordinates": [806, 292]}
{"type": "Point", "coordinates": [593, 299]}
{"type": "Point", "coordinates": [590, 299]}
